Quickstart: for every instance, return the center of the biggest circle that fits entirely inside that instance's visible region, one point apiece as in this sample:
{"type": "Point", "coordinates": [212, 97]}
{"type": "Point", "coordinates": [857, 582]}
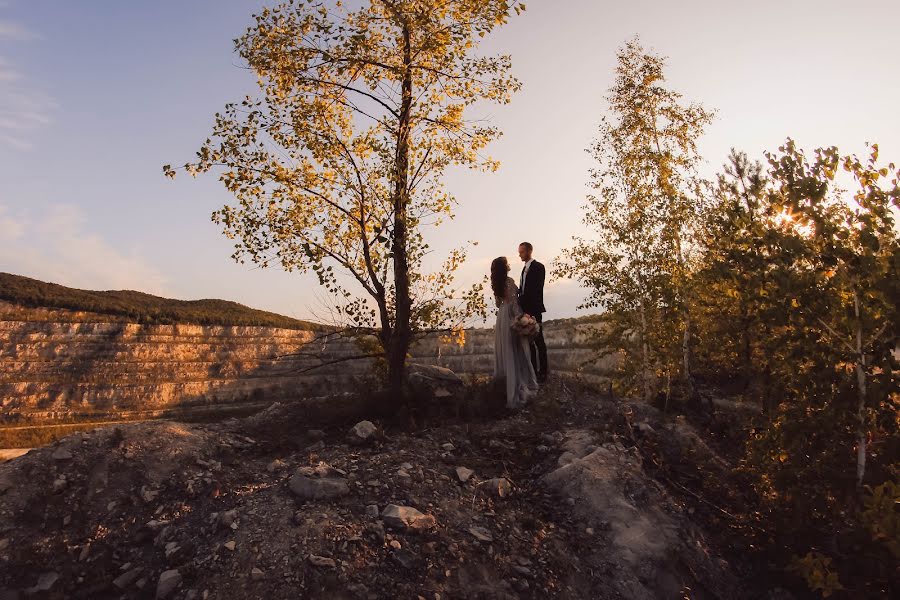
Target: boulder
{"type": "Point", "coordinates": [406, 517]}
{"type": "Point", "coordinates": [362, 433]}
{"type": "Point", "coordinates": [431, 381]}
{"type": "Point", "coordinates": [464, 474]}
{"type": "Point", "coordinates": [320, 483]}
{"type": "Point", "coordinates": [499, 487]}
{"type": "Point", "coordinates": [168, 583]}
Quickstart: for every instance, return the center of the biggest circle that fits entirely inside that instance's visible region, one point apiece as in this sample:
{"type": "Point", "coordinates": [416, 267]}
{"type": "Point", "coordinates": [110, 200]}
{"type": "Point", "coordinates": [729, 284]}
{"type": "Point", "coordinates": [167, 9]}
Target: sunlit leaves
{"type": "Point", "coordinates": [313, 162]}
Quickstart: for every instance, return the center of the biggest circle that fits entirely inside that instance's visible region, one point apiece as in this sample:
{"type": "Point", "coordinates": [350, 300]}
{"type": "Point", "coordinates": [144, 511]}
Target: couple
{"type": "Point", "coordinates": [518, 331]}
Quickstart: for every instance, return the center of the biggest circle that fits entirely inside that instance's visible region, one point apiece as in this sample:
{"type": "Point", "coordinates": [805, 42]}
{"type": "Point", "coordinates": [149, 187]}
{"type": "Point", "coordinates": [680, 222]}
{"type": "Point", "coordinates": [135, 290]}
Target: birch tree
{"type": "Point", "coordinates": [337, 166]}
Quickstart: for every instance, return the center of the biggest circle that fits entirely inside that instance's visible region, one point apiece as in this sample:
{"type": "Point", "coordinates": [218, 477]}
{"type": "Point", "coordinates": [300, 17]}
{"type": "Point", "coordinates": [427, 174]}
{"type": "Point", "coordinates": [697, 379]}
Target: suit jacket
{"type": "Point", "coordinates": [531, 298]}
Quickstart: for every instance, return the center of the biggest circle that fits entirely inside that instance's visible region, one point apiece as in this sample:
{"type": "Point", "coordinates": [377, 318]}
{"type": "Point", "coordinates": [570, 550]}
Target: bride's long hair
{"type": "Point", "coordinates": [499, 273]}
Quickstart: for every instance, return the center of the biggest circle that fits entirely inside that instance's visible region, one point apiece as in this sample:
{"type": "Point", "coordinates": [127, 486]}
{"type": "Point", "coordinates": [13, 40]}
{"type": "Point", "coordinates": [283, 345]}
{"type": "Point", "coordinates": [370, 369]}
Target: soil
{"type": "Point", "coordinates": [577, 496]}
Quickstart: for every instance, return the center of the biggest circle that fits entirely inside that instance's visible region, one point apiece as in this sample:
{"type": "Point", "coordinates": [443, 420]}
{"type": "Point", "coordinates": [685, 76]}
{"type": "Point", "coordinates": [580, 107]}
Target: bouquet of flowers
{"type": "Point", "coordinates": [526, 326]}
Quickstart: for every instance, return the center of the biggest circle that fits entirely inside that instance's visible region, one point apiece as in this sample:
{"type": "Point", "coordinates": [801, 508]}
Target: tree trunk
{"type": "Point", "coordinates": [645, 357]}
{"type": "Point", "coordinates": [861, 391]}
{"type": "Point", "coordinates": [402, 332]}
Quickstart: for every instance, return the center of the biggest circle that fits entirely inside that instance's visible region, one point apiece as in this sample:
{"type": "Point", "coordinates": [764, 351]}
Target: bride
{"type": "Point", "coordinates": [511, 356]}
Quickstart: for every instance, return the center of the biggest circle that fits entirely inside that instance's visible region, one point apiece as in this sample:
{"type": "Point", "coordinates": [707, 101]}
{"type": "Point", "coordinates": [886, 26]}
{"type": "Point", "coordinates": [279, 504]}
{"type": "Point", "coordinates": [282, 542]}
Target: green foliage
{"type": "Point", "coordinates": [139, 307]}
{"type": "Point", "coordinates": [818, 572]}
{"type": "Point", "coordinates": [881, 514]}
{"type": "Point", "coordinates": [643, 213]}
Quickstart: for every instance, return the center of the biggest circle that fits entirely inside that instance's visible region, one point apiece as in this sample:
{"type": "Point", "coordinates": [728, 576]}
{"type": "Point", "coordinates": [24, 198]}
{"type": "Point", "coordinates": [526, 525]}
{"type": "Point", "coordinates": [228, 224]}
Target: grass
{"type": "Point", "coordinates": [139, 307]}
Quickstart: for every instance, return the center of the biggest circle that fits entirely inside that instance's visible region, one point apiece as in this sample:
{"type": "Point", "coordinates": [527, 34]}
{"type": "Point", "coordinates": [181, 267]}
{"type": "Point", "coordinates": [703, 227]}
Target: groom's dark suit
{"type": "Point", "coordinates": [531, 300]}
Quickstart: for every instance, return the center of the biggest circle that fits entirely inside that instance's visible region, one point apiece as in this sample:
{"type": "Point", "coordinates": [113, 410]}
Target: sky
{"type": "Point", "coordinates": [96, 95]}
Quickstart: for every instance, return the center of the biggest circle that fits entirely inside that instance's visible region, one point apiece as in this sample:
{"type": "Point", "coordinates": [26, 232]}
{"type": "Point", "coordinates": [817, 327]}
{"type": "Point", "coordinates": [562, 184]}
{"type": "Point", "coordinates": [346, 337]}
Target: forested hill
{"type": "Point", "coordinates": [139, 306]}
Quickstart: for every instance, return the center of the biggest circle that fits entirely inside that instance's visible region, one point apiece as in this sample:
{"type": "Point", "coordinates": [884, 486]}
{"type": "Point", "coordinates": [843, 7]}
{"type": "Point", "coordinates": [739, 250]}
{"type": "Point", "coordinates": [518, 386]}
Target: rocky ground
{"type": "Point", "coordinates": [578, 496]}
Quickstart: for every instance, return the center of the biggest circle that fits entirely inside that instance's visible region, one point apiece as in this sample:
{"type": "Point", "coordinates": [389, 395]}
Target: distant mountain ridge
{"type": "Point", "coordinates": [141, 307]}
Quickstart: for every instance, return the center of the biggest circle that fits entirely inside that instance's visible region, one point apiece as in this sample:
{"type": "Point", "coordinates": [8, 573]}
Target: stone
{"type": "Point", "coordinates": [481, 534]}
{"type": "Point", "coordinates": [448, 447]}
{"type": "Point", "coordinates": [276, 465]}
{"type": "Point", "coordinates": [372, 511]}
{"type": "Point", "coordinates": [148, 494]}
{"type": "Point", "coordinates": [313, 486]}
{"type": "Point", "coordinates": [406, 466]}
{"type": "Point", "coordinates": [396, 545]}
{"type": "Point", "coordinates": [168, 583]}
{"type": "Point", "coordinates": [230, 545]}
{"type": "Point", "coordinates": [60, 484]}
{"type": "Point", "coordinates": [404, 558]}
{"type": "Point", "coordinates": [433, 381]}
{"type": "Point", "coordinates": [402, 473]}
{"type": "Point", "coordinates": [256, 574]}
{"type": "Point", "coordinates": [376, 530]}
{"type": "Point", "coordinates": [464, 474]}
{"type": "Point", "coordinates": [321, 561]}
{"type": "Point", "coordinates": [227, 518]}
{"type": "Point", "coordinates": [61, 454]}
{"type": "Point", "coordinates": [315, 434]}
{"type": "Point", "coordinates": [45, 582]}
{"type": "Point", "coordinates": [523, 571]}
{"type": "Point", "coordinates": [362, 433]}
{"type": "Point", "coordinates": [499, 487]}
{"type": "Point", "coordinates": [406, 517]}
{"type": "Point", "coordinates": [127, 578]}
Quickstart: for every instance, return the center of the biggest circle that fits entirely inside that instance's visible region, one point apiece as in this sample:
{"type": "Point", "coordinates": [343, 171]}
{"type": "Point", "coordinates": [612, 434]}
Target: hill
{"type": "Point", "coordinates": [140, 307]}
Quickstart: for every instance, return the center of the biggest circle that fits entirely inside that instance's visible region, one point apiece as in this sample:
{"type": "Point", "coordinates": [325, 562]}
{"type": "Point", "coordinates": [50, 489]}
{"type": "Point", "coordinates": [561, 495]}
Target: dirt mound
{"type": "Point", "coordinates": [550, 503]}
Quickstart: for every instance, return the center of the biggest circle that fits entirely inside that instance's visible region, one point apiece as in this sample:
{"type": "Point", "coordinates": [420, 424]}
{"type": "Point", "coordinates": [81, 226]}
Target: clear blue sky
{"type": "Point", "coordinates": [96, 95]}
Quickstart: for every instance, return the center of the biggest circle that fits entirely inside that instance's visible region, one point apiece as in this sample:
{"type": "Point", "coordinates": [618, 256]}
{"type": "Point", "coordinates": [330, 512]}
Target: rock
{"type": "Point", "coordinates": [321, 561]}
{"type": "Point", "coordinates": [372, 511]}
{"type": "Point", "coordinates": [168, 583]}
{"type": "Point", "coordinates": [127, 578]}
{"type": "Point", "coordinates": [464, 474]}
{"type": "Point", "coordinates": [61, 454]}
{"type": "Point", "coordinates": [315, 434]}
{"type": "Point", "coordinates": [256, 574]}
{"type": "Point", "coordinates": [433, 381]}
{"type": "Point", "coordinates": [404, 558]}
{"type": "Point", "coordinates": [395, 544]}
{"type": "Point", "coordinates": [406, 466]}
{"type": "Point", "coordinates": [316, 446]}
{"type": "Point", "coordinates": [376, 530]}
{"type": "Point", "coordinates": [60, 483]}
{"type": "Point", "coordinates": [227, 518]}
{"type": "Point", "coordinates": [523, 571]}
{"type": "Point", "coordinates": [481, 534]}
{"type": "Point", "coordinates": [362, 433]}
{"type": "Point", "coordinates": [499, 487]}
{"type": "Point", "coordinates": [45, 582]}
{"type": "Point", "coordinates": [448, 447]}
{"type": "Point", "coordinates": [230, 545]}
{"type": "Point", "coordinates": [402, 473]}
{"type": "Point", "coordinates": [276, 465]}
{"type": "Point", "coordinates": [319, 484]}
{"type": "Point", "coordinates": [406, 517]}
{"type": "Point", "coordinates": [148, 494]}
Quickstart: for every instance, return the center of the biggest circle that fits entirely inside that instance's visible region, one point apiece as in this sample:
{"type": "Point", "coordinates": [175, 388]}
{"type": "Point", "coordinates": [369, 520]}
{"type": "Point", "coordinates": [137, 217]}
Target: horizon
{"type": "Point", "coordinates": [86, 130]}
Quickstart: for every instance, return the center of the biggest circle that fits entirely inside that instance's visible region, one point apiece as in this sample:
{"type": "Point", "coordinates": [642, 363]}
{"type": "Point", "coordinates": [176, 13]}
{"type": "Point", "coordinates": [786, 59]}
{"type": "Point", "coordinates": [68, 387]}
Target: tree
{"type": "Point", "coordinates": [648, 201]}
{"type": "Point", "coordinates": [856, 255]}
{"type": "Point", "coordinates": [340, 162]}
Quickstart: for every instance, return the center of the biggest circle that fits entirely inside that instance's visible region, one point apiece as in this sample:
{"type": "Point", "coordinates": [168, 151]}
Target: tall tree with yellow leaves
{"type": "Point", "coordinates": [337, 168]}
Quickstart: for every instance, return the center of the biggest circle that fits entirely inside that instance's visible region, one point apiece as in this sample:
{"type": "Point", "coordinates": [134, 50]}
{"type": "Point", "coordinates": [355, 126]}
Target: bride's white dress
{"type": "Point", "coordinates": [511, 354]}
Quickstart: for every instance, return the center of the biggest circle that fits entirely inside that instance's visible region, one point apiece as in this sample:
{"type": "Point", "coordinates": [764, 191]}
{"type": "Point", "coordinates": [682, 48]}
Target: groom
{"type": "Point", "coordinates": [531, 299]}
